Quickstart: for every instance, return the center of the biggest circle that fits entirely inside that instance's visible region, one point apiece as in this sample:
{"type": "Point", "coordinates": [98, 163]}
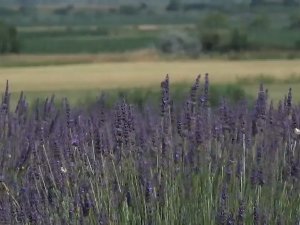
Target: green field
{"type": "Point", "coordinates": [98, 30]}
{"type": "Point", "coordinates": [103, 38]}
{"type": "Point", "coordinates": [86, 44]}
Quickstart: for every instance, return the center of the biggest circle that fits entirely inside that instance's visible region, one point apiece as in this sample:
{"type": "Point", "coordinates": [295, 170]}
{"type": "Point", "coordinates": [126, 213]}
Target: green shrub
{"type": "Point", "coordinates": [292, 79]}
{"type": "Point", "coordinates": [250, 80]}
{"type": "Point", "coordinates": [290, 3]}
{"type": "Point", "coordinates": [179, 91]}
{"type": "Point", "coordinates": [150, 12]}
{"type": "Point", "coordinates": [210, 40]}
{"type": "Point", "coordinates": [128, 10]}
{"type": "Point", "coordinates": [297, 44]}
{"type": "Point", "coordinates": [143, 6]}
{"type": "Point", "coordinates": [3, 40]}
{"type": "Point", "coordinates": [99, 13]}
{"type": "Point", "coordinates": [215, 20]}
{"type": "Point", "coordinates": [9, 41]}
{"type": "Point", "coordinates": [238, 41]}
{"type": "Point", "coordinates": [141, 96]}
{"type": "Point", "coordinates": [81, 14]}
{"type": "Point", "coordinates": [112, 10]}
{"type": "Point", "coordinates": [260, 22]}
{"type": "Point", "coordinates": [180, 43]}
{"type": "Point", "coordinates": [295, 21]}
{"type": "Point", "coordinates": [267, 79]}
{"type": "Point", "coordinates": [27, 10]}
{"type": "Point", "coordinates": [102, 31]}
{"type": "Point", "coordinates": [63, 11]}
{"type": "Point", "coordinates": [195, 6]}
{"type": "Point", "coordinates": [257, 2]}
{"type": "Point", "coordinates": [174, 5]}
{"type": "Point", "coordinates": [5, 11]}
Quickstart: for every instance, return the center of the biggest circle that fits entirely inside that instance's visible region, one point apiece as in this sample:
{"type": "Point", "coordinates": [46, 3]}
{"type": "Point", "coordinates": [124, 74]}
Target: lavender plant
{"type": "Point", "coordinates": [183, 164]}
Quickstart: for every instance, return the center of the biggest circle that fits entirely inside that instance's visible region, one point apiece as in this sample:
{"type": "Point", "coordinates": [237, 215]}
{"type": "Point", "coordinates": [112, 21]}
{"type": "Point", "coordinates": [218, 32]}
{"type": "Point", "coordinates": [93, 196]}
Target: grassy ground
{"type": "Point", "coordinates": [114, 75]}
{"type": "Point", "coordinates": [143, 55]}
{"type": "Point", "coordinates": [29, 60]}
{"type": "Point", "coordinates": [82, 81]}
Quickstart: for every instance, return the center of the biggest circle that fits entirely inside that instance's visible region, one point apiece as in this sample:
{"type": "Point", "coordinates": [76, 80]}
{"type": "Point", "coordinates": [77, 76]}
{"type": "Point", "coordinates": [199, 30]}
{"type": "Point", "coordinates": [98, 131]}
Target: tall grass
{"type": "Point", "coordinates": [139, 97]}
{"type": "Point", "coordinates": [182, 163]}
{"type": "Point", "coordinates": [268, 79]}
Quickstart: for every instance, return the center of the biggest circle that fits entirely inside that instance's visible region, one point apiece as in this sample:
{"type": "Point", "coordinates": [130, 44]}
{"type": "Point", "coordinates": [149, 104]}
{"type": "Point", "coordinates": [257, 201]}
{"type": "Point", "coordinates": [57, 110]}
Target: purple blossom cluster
{"type": "Point", "coordinates": [184, 164]}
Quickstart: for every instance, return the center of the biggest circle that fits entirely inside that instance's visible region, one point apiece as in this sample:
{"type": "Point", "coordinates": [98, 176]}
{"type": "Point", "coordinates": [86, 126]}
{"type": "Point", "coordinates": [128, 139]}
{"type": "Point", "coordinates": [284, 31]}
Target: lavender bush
{"type": "Point", "coordinates": [184, 164]}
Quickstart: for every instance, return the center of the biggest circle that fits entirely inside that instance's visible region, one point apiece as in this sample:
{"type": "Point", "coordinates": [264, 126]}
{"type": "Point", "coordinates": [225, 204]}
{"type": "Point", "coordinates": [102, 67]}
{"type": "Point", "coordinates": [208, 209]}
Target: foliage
{"type": "Point", "coordinates": [215, 20]}
{"type": "Point", "coordinates": [102, 31]}
{"type": "Point", "coordinates": [129, 10]}
{"type": "Point", "coordinates": [238, 41]}
{"type": "Point", "coordinates": [105, 39]}
{"type": "Point", "coordinates": [113, 10]}
{"type": "Point", "coordinates": [9, 41]}
{"type": "Point", "coordinates": [297, 44]}
{"type": "Point", "coordinates": [260, 21]}
{"type": "Point", "coordinates": [6, 11]}
{"type": "Point", "coordinates": [141, 96]}
{"type": "Point", "coordinates": [290, 3]}
{"type": "Point", "coordinates": [295, 21]}
{"type": "Point", "coordinates": [178, 42]}
{"type": "Point", "coordinates": [26, 10]}
{"type": "Point", "coordinates": [63, 11]}
{"type": "Point", "coordinates": [174, 5]}
{"type": "Point", "coordinates": [195, 6]}
{"type": "Point", "coordinates": [143, 6]}
{"type": "Point", "coordinates": [277, 38]}
{"type": "Point", "coordinates": [257, 79]}
{"type": "Point", "coordinates": [267, 79]}
{"type": "Point", "coordinates": [257, 2]}
{"type": "Point", "coordinates": [182, 163]}
{"type": "Point", "coordinates": [210, 40]}
{"type": "Point", "coordinates": [80, 13]}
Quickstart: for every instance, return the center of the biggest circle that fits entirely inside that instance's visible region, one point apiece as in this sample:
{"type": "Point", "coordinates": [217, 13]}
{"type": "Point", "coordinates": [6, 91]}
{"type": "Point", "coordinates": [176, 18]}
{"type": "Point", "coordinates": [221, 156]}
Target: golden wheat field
{"type": "Point", "coordinates": [138, 74]}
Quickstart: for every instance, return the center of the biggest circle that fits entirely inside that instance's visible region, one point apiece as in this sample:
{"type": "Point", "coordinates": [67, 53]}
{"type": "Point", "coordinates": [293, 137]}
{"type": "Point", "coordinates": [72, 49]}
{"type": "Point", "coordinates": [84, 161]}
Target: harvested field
{"type": "Point", "coordinates": [85, 81]}
{"type": "Point", "coordinates": [115, 75]}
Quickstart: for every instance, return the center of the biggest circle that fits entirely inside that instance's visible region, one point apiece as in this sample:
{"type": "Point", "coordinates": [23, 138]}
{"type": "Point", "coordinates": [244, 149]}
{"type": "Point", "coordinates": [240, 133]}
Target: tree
{"type": "Point", "coordinates": [290, 3]}
{"type": "Point", "coordinates": [295, 21]}
{"type": "Point", "coordinates": [238, 41]}
{"type": "Point", "coordinates": [215, 20]}
{"type": "Point", "coordinates": [128, 10]}
{"type": "Point", "coordinates": [210, 40]}
{"type": "Point", "coordinates": [9, 41]}
{"type": "Point", "coordinates": [261, 21]}
{"type": "Point", "coordinates": [257, 2]}
{"type": "Point", "coordinates": [174, 5]}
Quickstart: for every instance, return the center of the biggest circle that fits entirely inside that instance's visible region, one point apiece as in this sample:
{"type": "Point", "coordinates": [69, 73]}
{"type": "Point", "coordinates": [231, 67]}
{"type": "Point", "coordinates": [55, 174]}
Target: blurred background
{"type": "Point", "coordinates": [77, 48]}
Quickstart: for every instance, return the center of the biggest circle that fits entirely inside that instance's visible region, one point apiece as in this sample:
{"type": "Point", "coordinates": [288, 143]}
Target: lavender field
{"type": "Point", "coordinates": [175, 164]}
